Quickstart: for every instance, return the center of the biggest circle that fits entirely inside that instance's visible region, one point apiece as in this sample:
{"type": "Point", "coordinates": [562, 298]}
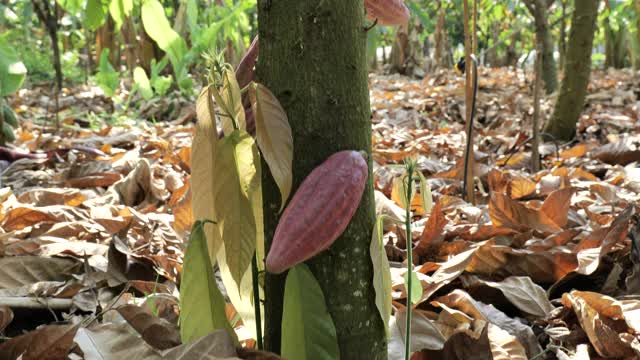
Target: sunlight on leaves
{"type": "Point", "coordinates": [308, 331]}
{"type": "Point", "coordinates": [273, 135]}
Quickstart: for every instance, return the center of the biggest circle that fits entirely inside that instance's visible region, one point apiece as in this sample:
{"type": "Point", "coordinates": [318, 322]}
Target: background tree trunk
{"type": "Point", "coordinates": [538, 9]}
{"type": "Point", "coordinates": [48, 16]}
{"type": "Point", "coordinates": [400, 49]}
{"type": "Point", "coordinates": [441, 41]}
{"type": "Point", "coordinates": [313, 58]}
{"type": "Point", "coordinates": [562, 42]}
{"type": "Point", "coordinates": [574, 84]}
{"type": "Point", "coordinates": [105, 39]}
{"type": "Point", "coordinates": [637, 34]}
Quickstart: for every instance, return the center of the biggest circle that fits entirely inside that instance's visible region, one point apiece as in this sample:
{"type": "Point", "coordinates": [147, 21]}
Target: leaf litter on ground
{"type": "Point", "coordinates": [94, 223]}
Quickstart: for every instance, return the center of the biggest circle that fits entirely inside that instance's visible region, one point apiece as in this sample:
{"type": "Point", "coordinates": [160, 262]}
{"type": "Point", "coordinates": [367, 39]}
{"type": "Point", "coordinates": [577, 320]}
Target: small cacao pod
{"type": "Point", "coordinates": [9, 116]}
{"type": "Point", "coordinates": [388, 12]}
{"type": "Point", "coordinates": [319, 211]}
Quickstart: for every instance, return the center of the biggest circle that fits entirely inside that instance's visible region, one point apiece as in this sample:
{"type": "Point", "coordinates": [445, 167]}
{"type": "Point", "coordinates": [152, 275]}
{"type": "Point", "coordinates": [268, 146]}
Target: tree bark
{"type": "Point", "coordinates": [313, 58]}
{"type": "Point", "coordinates": [574, 84]}
{"type": "Point", "coordinates": [538, 9]}
{"type": "Point", "coordinates": [562, 43]}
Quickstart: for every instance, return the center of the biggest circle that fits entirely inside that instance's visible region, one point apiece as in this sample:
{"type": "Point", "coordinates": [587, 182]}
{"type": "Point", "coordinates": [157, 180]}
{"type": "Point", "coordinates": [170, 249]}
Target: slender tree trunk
{"type": "Point", "coordinates": [538, 9]}
{"type": "Point", "coordinates": [535, 144]}
{"type": "Point", "coordinates": [57, 65]}
{"type": "Point", "coordinates": [48, 16]}
{"type": "Point", "coordinates": [574, 84]}
{"type": "Point", "coordinates": [313, 58]}
{"type": "Point", "coordinates": [637, 34]}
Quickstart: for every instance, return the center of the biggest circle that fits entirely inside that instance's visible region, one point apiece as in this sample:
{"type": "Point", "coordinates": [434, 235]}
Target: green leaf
{"type": "Point", "coordinates": [71, 6]}
{"type": "Point", "coordinates": [238, 176]}
{"type": "Point", "coordinates": [119, 10]}
{"type": "Point", "coordinates": [202, 306]}
{"type": "Point", "coordinates": [400, 188]}
{"type": "Point", "coordinates": [142, 81]}
{"type": "Point", "coordinates": [416, 286]}
{"type": "Point", "coordinates": [203, 153]}
{"type": "Point", "coordinates": [192, 15]}
{"type": "Point", "coordinates": [241, 297]}
{"type": "Point", "coordinates": [381, 273]}
{"type": "Point", "coordinates": [230, 102]}
{"type": "Point", "coordinates": [157, 26]}
{"type": "Point", "coordinates": [95, 14]}
{"type": "Point", "coordinates": [273, 135]}
{"type": "Point", "coordinates": [308, 331]}
{"type": "Point", "coordinates": [107, 78]}
{"type": "Point", "coordinates": [425, 194]}
{"type": "Point", "coordinates": [12, 71]}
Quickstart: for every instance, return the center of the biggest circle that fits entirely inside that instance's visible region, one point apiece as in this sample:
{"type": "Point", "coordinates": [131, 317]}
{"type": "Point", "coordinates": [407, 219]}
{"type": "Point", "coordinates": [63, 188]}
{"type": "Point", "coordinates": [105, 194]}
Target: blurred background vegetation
{"type": "Point", "coordinates": [151, 48]}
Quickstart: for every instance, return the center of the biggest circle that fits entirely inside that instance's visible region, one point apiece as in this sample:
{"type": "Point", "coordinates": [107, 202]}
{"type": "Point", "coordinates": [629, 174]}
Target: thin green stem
{"type": "Point", "coordinates": [256, 300]}
{"type": "Point", "coordinates": [407, 354]}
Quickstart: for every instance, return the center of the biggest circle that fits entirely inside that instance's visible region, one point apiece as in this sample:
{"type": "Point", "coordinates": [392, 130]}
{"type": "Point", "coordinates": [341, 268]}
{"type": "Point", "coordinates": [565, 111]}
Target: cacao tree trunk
{"type": "Point", "coordinates": [313, 58]}
{"type": "Point", "coordinates": [538, 9]}
{"type": "Point", "coordinates": [573, 90]}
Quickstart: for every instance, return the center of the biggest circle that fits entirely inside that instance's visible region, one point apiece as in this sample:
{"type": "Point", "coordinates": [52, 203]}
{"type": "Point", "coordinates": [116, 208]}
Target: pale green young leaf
{"type": "Point", "coordinates": [12, 71]}
{"type": "Point", "coordinates": [119, 10]}
{"type": "Point", "coordinates": [142, 81]}
{"type": "Point", "coordinates": [241, 297]}
{"type": "Point", "coordinates": [425, 194]}
{"type": "Point", "coordinates": [399, 190]}
{"type": "Point", "coordinates": [237, 176]}
{"type": "Point", "coordinates": [95, 14]}
{"type": "Point", "coordinates": [273, 135]}
{"type": "Point", "coordinates": [381, 273]}
{"type": "Point", "coordinates": [230, 103]}
{"type": "Point", "coordinates": [202, 306]}
{"type": "Point", "coordinates": [203, 177]}
{"type": "Point", "coordinates": [416, 286]}
{"type": "Point", "coordinates": [157, 26]}
{"type": "Point", "coordinates": [308, 331]}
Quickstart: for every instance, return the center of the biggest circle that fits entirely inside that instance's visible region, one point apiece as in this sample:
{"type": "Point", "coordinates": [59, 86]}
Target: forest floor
{"type": "Point", "coordinates": [94, 221]}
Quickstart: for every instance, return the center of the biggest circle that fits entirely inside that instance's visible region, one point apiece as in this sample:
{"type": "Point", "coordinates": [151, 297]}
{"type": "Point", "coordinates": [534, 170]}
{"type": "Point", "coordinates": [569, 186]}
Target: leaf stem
{"type": "Point", "coordinates": [410, 168]}
{"type": "Point", "coordinates": [256, 300]}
